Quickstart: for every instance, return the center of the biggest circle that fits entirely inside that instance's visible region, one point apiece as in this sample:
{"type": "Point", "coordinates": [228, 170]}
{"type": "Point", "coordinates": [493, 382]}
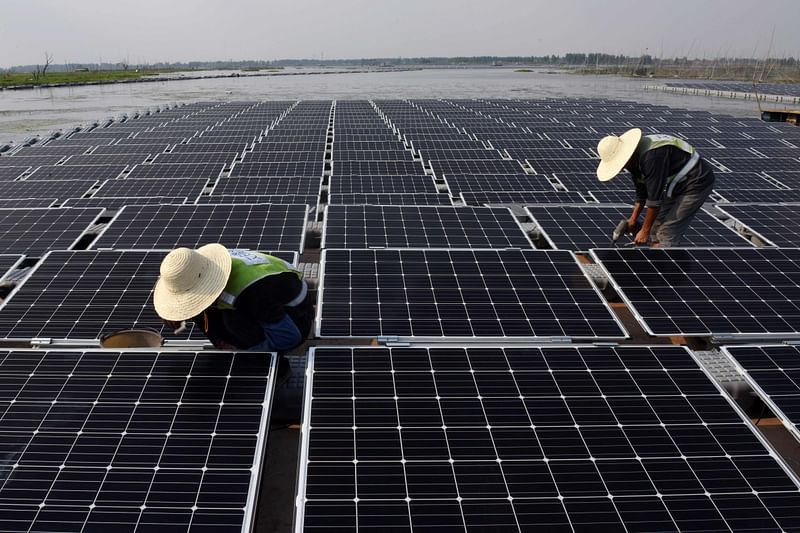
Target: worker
{"type": "Point", "coordinates": [672, 181]}
{"type": "Point", "coordinates": [241, 300]}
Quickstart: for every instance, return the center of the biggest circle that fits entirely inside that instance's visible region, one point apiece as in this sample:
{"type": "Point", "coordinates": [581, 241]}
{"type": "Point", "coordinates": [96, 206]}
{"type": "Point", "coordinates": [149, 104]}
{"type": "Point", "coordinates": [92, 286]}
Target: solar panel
{"type": "Point", "coordinates": [522, 198]}
{"type": "Point", "coordinates": [284, 157]}
{"type": "Point", "coordinates": [381, 184]}
{"type": "Point", "coordinates": [116, 203]}
{"type": "Point", "coordinates": [398, 154]}
{"type": "Point", "coordinates": [182, 187]}
{"type": "Point", "coordinates": [789, 178]}
{"type": "Point", "coordinates": [31, 160]}
{"type": "Point", "coordinates": [422, 198]}
{"type": "Point", "coordinates": [581, 228]}
{"type": "Point", "coordinates": [268, 146]}
{"type": "Point", "coordinates": [762, 196]}
{"type": "Point", "coordinates": [377, 168]}
{"type": "Point", "coordinates": [311, 200]}
{"type": "Point", "coordinates": [124, 441]}
{"type": "Point", "coordinates": [44, 189]}
{"type": "Point", "coordinates": [225, 158]}
{"type": "Point", "coordinates": [196, 171]}
{"type": "Point", "coordinates": [774, 224]}
{"type": "Point", "coordinates": [9, 262]}
{"type": "Point", "coordinates": [615, 197]}
{"type": "Point", "coordinates": [106, 159]}
{"type": "Point", "coordinates": [77, 172]}
{"type": "Point", "coordinates": [522, 182]}
{"type": "Point", "coordinates": [9, 173]}
{"type": "Point", "coordinates": [530, 438]}
{"type": "Point", "coordinates": [27, 203]}
{"type": "Point", "coordinates": [772, 371]}
{"type": "Point", "coordinates": [216, 147]}
{"type": "Point", "coordinates": [303, 168]}
{"type": "Point", "coordinates": [724, 292]}
{"type": "Point", "coordinates": [33, 232]}
{"type": "Point", "coordinates": [563, 166]}
{"type": "Point", "coordinates": [577, 181]}
{"type": "Point", "coordinates": [253, 227]}
{"type": "Point", "coordinates": [454, 154]}
{"type": "Point", "coordinates": [405, 226]}
{"type": "Point", "coordinates": [459, 294]}
{"type": "Point", "coordinates": [726, 181]}
{"type": "Point", "coordinates": [759, 165]}
{"type": "Point", "coordinates": [475, 166]}
{"type": "Point", "coordinates": [259, 186]}
{"type": "Point", "coordinates": [156, 148]}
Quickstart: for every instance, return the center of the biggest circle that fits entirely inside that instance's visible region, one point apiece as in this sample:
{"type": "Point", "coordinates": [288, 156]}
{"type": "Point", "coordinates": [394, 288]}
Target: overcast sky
{"type": "Point", "coordinates": [82, 31]}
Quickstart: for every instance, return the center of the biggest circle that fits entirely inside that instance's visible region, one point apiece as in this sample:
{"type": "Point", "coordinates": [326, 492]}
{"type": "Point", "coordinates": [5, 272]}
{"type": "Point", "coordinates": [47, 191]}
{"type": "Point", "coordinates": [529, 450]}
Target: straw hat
{"type": "Point", "coordinates": [191, 280]}
{"type": "Point", "coordinates": [615, 152]}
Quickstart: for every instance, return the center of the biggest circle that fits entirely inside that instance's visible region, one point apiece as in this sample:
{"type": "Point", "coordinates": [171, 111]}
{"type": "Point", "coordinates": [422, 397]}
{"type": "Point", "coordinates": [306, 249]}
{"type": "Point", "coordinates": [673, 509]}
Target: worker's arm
{"type": "Point", "coordinates": [647, 225]}
{"type": "Point", "coordinates": [637, 210]}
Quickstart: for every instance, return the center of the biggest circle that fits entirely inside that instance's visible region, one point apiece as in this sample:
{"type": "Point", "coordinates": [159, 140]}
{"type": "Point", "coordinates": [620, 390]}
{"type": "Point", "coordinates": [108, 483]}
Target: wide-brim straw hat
{"type": "Point", "coordinates": [191, 280]}
{"type": "Point", "coordinates": [615, 152]}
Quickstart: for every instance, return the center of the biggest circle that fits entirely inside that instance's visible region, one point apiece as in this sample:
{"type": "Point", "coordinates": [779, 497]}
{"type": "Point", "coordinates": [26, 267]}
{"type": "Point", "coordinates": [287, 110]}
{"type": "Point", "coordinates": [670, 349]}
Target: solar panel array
{"type": "Point", "coordinates": [446, 434]}
{"type": "Point", "coordinates": [136, 441]}
{"type": "Point", "coordinates": [528, 439]}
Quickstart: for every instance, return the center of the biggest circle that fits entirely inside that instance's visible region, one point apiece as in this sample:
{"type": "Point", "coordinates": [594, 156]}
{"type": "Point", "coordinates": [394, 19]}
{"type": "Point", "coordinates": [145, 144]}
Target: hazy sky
{"type": "Point", "coordinates": [82, 31]}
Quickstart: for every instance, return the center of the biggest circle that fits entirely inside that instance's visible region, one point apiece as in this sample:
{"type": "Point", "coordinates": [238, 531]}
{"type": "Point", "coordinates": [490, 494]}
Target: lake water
{"type": "Point", "coordinates": [39, 111]}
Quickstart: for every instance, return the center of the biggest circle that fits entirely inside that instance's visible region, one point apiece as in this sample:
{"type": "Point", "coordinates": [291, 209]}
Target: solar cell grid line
{"type": "Point", "coordinates": [197, 171]}
{"type": "Point", "coordinates": [260, 186]}
{"type": "Point", "coordinates": [479, 183]}
{"type": "Point", "coordinates": [106, 159]}
{"type": "Point", "coordinates": [276, 227]}
{"type": "Point", "coordinates": [442, 167]}
{"type": "Point", "coordinates": [189, 188]}
{"type": "Point", "coordinates": [582, 227]}
{"type": "Point", "coordinates": [530, 438]}
{"type": "Point", "coordinates": [772, 372]}
{"type": "Point", "coordinates": [422, 198]}
{"type": "Point", "coordinates": [404, 226]}
{"type": "Point", "coordinates": [477, 198]}
{"type": "Point", "coordinates": [790, 179]}
{"type": "Point", "coordinates": [134, 441]}
{"type": "Point", "coordinates": [10, 173]}
{"type": "Point", "coordinates": [720, 292]}
{"type": "Point", "coordinates": [303, 168]}
{"type": "Point", "coordinates": [284, 157]}
{"type": "Point", "coordinates": [784, 151]}
{"type": "Point", "coordinates": [381, 184]}
{"type": "Point", "coordinates": [614, 197]}
{"type": "Point", "coordinates": [377, 168]}
{"type": "Point", "coordinates": [737, 181]}
{"type": "Point", "coordinates": [225, 158]}
{"type": "Point", "coordinates": [533, 154]}
{"type": "Point", "coordinates": [773, 224]}
{"type": "Point", "coordinates": [761, 196]}
{"type": "Point", "coordinates": [266, 146]}
{"type": "Point", "coordinates": [457, 154]}
{"type": "Point", "coordinates": [77, 172]}
{"type": "Point", "coordinates": [459, 295]}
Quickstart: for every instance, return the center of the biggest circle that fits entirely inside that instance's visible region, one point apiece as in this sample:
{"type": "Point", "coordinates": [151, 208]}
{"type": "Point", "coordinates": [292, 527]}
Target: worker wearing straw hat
{"type": "Point", "coordinates": [240, 299]}
{"type": "Point", "coordinates": [671, 179]}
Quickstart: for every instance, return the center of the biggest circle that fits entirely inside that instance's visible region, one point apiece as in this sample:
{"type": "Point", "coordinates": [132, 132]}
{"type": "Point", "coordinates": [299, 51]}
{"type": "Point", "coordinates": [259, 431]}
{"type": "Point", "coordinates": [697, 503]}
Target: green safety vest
{"type": "Point", "coordinates": [247, 268]}
{"type": "Point", "coordinates": [651, 142]}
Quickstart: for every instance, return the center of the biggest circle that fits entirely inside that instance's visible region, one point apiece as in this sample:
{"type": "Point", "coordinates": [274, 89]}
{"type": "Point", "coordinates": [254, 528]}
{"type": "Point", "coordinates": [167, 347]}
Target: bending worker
{"type": "Point", "coordinates": [241, 300]}
{"type": "Point", "coordinates": [672, 181]}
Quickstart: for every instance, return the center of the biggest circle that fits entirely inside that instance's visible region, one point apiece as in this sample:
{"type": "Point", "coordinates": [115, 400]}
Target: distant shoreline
{"type": "Point", "coordinates": [103, 77]}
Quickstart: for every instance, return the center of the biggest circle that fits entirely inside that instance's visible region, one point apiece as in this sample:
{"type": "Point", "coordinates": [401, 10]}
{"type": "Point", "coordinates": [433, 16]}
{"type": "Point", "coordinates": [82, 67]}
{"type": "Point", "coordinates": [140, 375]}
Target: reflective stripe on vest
{"type": "Point", "coordinates": [651, 142]}
{"type": "Point", "coordinates": [247, 268]}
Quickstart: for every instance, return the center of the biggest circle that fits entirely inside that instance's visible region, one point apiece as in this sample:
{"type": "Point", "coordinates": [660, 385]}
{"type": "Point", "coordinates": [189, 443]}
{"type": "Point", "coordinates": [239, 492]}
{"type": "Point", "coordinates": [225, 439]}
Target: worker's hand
{"type": "Point", "coordinates": [633, 225]}
{"type": "Point", "coordinates": [172, 324]}
{"type": "Point", "coordinates": [222, 345]}
{"type": "Point", "coordinates": [641, 237]}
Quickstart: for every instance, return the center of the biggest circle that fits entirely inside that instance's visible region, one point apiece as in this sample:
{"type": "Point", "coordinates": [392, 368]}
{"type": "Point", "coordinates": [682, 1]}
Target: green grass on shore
{"type": "Point", "coordinates": [9, 79]}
